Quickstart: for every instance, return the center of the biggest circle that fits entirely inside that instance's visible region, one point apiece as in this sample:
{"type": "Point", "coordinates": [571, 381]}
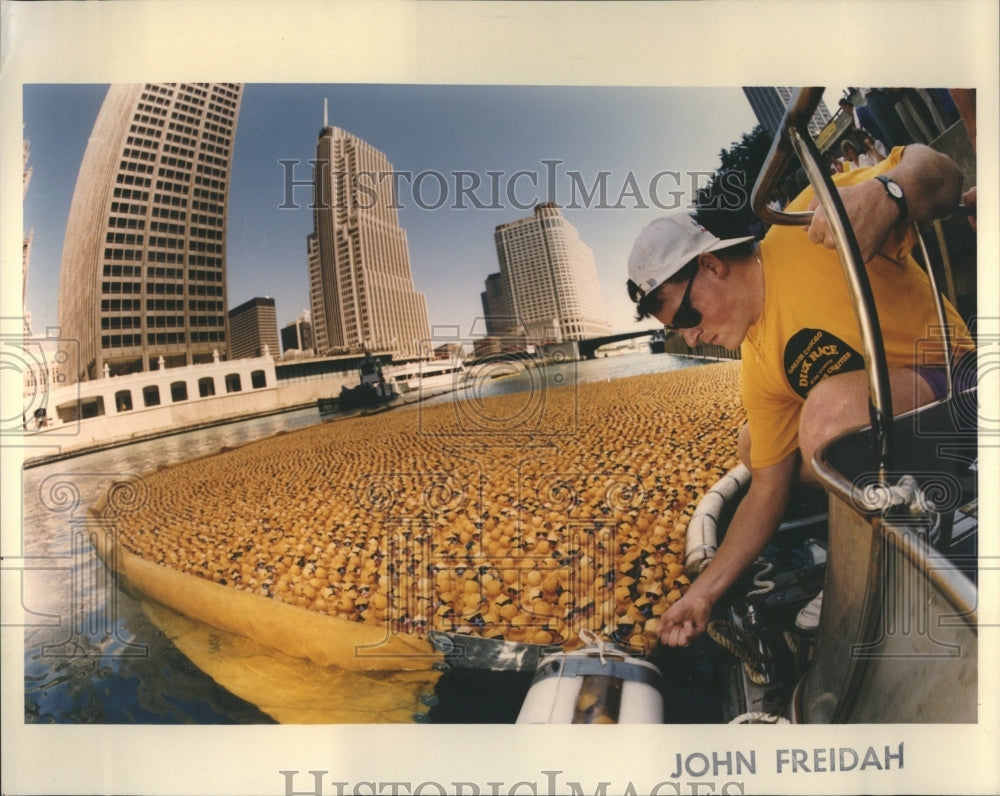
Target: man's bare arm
{"type": "Point", "coordinates": [753, 524]}
{"type": "Point", "coordinates": [931, 184]}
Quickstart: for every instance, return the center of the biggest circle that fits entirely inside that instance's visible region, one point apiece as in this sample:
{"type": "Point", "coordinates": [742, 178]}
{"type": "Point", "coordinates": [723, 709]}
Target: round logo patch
{"type": "Point", "coordinates": [813, 354]}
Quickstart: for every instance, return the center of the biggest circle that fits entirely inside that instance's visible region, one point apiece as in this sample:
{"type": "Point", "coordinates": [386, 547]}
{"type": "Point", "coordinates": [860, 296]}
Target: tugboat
{"type": "Point", "coordinates": [890, 538]}
{"type": "Point", "coordinates": [372, 389]}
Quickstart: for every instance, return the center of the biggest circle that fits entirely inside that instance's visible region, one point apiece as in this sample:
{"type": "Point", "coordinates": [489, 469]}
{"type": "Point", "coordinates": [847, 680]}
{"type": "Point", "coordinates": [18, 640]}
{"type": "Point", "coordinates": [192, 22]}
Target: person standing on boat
{"type": "Point", "coordinates": [785, 304]}
{"type": "Point", "coordinates": [852, 160]}
{"type": "Point", "coordinates": [871, 148]}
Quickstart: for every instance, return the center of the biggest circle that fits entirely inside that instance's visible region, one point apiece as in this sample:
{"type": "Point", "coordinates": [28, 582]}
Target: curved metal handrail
{"type": "Point", "coordinates": [949, 355]}
{"type": "Point", "coordinates": [793, 140]}
{"type": "Point", "coordinates": [781, 156]}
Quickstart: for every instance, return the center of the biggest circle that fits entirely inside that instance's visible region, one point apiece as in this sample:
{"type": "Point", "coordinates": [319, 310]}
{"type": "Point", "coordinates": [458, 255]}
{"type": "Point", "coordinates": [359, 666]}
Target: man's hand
{"type": "Point", "coordinates": [685, 620]}
{"type": "Point", "coordinates": [871, 212]}
{"type": "Point", "coordinates": [753, 522]}
{"type": "Point", "coordinates": [931, 183]}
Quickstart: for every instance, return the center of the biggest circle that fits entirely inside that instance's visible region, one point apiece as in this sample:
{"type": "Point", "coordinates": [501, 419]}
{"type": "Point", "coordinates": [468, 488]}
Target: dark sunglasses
{"type": "Point", "coordinates": [686, 317]}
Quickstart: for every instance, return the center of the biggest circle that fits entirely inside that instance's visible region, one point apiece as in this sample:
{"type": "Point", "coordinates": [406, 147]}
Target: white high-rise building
{"type": "Point", "coordinates": [317, 313]}
{"type": "Point", "coordinates": [550, 278]}
{"type": "Point", "coordinates": [361, 288]}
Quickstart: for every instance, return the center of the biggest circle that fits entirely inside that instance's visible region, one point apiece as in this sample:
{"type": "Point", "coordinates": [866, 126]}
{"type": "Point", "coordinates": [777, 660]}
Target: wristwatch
{"type": "Point", "coordinates": [895, 192]}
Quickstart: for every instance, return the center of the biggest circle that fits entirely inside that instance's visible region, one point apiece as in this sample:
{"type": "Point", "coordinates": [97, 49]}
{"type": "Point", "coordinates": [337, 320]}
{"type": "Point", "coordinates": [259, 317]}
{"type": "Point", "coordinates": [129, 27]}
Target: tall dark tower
{"type": "Point", "coordinates": [769, 102]}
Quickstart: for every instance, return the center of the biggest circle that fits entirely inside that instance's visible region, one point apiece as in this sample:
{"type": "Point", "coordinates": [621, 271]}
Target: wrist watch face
{"type": "Point", "coordinates": [892, 187]}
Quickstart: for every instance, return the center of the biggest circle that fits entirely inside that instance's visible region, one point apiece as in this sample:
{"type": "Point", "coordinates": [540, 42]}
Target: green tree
{"type": "Point", "coordinates": [723, 204]}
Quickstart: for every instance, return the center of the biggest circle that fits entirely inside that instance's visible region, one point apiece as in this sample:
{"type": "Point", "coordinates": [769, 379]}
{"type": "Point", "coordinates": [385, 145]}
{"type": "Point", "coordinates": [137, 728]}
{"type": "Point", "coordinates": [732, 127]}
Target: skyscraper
{"type": "Point", "coordinates": [550, 278]}
{"type": "Point", "coordinates": [769, 102]}
{"type": "Point", "coordinates": [495, 311]}
{"type": "Point", "coordinates": [253, 329]}
{"type": "Point", "coordinates": [298, 335]}
{"type": "Point", "coordinates": [361, 289]}
{"type": "Point", "coordinates": [316, 310]}
{"type": "Point", "coordinates": [144, 258]}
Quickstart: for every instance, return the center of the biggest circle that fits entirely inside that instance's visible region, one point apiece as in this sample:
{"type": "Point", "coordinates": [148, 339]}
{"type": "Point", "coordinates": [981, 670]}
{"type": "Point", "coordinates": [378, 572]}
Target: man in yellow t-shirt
{"type": "Point", "coordinates": [785, 304]}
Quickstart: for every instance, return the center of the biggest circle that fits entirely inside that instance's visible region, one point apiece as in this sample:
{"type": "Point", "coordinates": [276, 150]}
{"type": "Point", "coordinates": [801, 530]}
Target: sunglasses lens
{"type": "Point", "coordinates": [685, 318]}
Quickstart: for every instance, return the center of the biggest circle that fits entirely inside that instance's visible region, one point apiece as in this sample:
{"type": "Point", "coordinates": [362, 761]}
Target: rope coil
{"type": "Point", "coordinates": [736, 643]}
{"type": "Point", "coordinates": [762, 586]}
{"type": "Point", "coordinates": [734, 640]}
{"type": "Point", "coordinates": [759, 717]}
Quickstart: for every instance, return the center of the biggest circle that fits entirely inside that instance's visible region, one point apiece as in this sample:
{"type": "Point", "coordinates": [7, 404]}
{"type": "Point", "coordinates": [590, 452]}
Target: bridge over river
{"type": "Point", "coordinates": [587, 348]}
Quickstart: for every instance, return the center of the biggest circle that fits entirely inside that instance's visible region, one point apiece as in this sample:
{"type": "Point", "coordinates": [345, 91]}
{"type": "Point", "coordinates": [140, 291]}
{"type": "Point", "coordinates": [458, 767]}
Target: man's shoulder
{"type": "Point", "coordinates": [853, 177]}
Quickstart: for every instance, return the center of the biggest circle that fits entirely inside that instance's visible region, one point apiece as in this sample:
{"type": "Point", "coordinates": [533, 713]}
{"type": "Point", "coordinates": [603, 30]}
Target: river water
{"type": "Point", "coordinates": [90, 653]}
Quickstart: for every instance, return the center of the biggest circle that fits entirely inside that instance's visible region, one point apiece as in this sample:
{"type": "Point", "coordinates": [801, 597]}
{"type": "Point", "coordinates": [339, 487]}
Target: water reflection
{"type": "Point", "coordinates": [90, 653]}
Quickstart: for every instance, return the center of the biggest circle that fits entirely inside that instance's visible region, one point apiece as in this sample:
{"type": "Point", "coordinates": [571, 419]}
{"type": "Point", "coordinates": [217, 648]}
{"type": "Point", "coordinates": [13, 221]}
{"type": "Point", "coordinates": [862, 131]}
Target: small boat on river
{"type": "Point", "coordinates": [426, 375]}
{"type": "Point", "coordinates": [380, 383]}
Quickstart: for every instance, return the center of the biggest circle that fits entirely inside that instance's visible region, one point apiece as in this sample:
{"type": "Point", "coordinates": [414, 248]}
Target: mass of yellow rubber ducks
{"type": "Point", "coordinates": [526, 517]}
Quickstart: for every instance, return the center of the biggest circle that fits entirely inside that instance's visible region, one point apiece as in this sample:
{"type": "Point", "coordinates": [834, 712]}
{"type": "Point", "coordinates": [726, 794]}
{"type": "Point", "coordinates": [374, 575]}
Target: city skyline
{"type": "Point", "coordinates": [466, 158]}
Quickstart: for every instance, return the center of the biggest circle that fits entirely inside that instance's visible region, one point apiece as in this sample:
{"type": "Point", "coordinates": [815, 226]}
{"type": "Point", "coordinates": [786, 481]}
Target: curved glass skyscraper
{"type": "Point", "coordinates": [143, 279]}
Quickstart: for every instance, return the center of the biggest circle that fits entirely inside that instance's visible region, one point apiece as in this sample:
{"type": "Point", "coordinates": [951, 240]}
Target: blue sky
{"type": "Point", "coordinates": [631, 134]}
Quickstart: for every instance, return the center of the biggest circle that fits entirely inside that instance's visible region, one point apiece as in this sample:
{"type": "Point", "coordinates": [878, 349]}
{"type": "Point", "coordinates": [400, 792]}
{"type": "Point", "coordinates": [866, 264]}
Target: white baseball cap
{"type": "Point", "coordinates": [669, 243]}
